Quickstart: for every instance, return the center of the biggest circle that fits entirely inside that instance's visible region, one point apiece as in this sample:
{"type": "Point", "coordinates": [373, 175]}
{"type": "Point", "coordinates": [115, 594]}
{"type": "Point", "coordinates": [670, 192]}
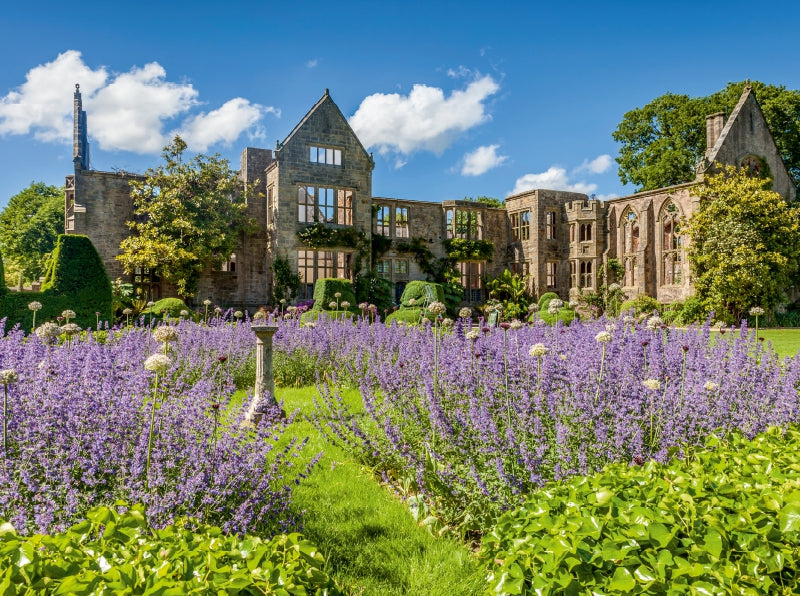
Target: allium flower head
{"type": "Point", "coordinates": [8, 376]}
{"type": "Point", "coordinates": [217, 309]}
{"type": "Point", "coordinates": [71, 329]}
{"type": "Point", "coordinates": [165, 333]}
{"type": "Point", "coordinates": [34, 306]}
{"type": "Point", "coordinates": [517, 324]}
{"type": "Point", "coordinates": [68, 314]}
{"type": "Point", "coordinates": [127, 312]}
{"type": "Point", "coordinates": [756, 311]}
{"type": "Point", "coordinates": [337, 295]}
{"type": "Point", "coordinates": [465, 313]}
{"type": "Point", "coordinates": [553, 309]}
{"type": "Point", "coordinates": [557, 303]}
{"type": "Point", "coordinates": [654, 322]}
{"type": "Point", "coordinates": [614, 287]}
{"type": "Point", "coordinates": [472, 334]}
{"type": "Point", "coordinates": [412, 302]}
{"type": "Point", "coordinates": [363, 306]}
{"type": "Point", "coordinates": [710, 386]}
{"type": "Point", "coordinates": [437, 308]}
{"type": "Point", "coordinates": [238, 314]}
{"type": "Point", "coordinates": [538, 350]}
{"type": "Point", "coordinates": [447, 322]}
{"type": "Point", "coordinates": [611, 326]}
{"type": "Point", "coordinates": [206, 302]}
{"type": "Point", "coordinates": [345, 304]}
{"type": "Point", "coordinates": [310, 324]}
{"type": "Point", "coordinates": [652, 384]}
{"type": "Point", "coordinates": [332, 305]}
{"type": "Point", "coordinates": [48, 331]}
{"type": "Point", "coordinates": [533, 306]}
{"type": "Point", "coordinates": [573, 303]}
{"type": "Point", "coordinates": [260, 315]}
{"type": "Point", "coordinates": [151, 304]}
{"type": "Point", "coordinates": [603, 337]}
{"type": "Point", "coordinates": [372, 307]}
{"type": "Point", "coordinates": [157, 363]}
{"type": "Point", "coordinates": [184, 313]}
{"type": "Point", "coordinates": [628, 320]}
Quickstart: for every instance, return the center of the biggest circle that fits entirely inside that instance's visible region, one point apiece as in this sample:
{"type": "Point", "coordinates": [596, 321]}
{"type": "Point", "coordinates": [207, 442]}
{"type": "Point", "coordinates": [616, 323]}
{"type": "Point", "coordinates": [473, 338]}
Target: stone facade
{"type": "Point", "coordinates": [322, 175]}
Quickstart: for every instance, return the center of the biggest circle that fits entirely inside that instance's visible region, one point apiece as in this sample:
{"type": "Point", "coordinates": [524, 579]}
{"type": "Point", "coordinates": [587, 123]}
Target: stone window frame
{"type": "Point", "coordinates": [586, 275]}
{"type": "Point", "coordinates": [383, 217]}
{"type": "Point", "coordinates": [325, 155]}
{"type": "Point", "coordinates": [461, 222]}
{"type": "Point", "coordinates": [317, 264]}
{"type": "Point", "coordinates": [401, 226]}
{"type": "Point", "coordinates": [585, 232]}
{"type": "Point", "coordinates": [323, 204]}
{"type": "Point", "coordinates": [630, 228]}
{"type": "Point", "coordinates": [551, 274]}
{"type": "Point", "coordinates": [521, 225]}
{"type": "Point", "coordinates": [550, 222]}
{"type": "Point", "coordinates": [471, 275]}
{"type": "Point", "coordinates": [400, 268]}
{"type": "Point", "coordinates": [670, 245]}
{"type": "Point", "coordinates": [573, 273]}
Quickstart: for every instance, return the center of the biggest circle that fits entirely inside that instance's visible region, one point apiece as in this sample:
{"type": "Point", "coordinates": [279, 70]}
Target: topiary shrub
{"type": "Point", "coordinates": [544, 300]}
{"type": "Point", "coordinates": [410, 315]}
{"type": "Point", "coordinates": [416, 290]}
{"type": "Point", "coordinates": [566, 315]}
{"type": "Point", "coordinates": [325, 290]}
{"type": "Point", "coordinates": [172, 306]}
{"type": "Point", "coordinates": [642, 304]}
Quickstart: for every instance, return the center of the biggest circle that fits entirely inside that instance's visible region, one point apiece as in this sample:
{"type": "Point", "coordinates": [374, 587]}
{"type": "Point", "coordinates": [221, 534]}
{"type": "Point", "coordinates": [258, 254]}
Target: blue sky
{"type": "Point", "coordinates": [455, 99]}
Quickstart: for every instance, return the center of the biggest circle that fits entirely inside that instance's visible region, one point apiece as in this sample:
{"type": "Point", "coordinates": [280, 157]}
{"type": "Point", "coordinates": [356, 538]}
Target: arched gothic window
{"type": "Point", "coordinates": [629, 227]}
{"type": "Point", "coordinates": [671, 245]}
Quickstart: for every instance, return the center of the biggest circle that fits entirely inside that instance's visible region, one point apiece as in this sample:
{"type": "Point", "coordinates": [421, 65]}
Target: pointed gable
{"type": "Point", "coordinates": [746, 140]}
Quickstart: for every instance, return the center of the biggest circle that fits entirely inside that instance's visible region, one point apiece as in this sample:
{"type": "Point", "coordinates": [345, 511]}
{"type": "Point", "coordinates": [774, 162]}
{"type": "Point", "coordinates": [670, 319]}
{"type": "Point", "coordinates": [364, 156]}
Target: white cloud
{"type": "Point", "coordinates": [598, 165]}
{"type": "Point", "coordinates": [482, 160]}
{"type": "Point", "coordinates": [126, 111]}
{"type": "Point", "coordinates": [555, 178]}
{"type": "Point", "coordinates": [422, 120]}
{"type": "Point", "coordinates": [460, 72]}
{"type": "Point", "coordinates": [312, 63]}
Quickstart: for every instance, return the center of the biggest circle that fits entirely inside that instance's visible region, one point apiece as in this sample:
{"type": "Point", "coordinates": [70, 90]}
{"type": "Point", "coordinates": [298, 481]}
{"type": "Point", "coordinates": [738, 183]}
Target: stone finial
{"type": "Point", "coordinates": [327, 91]}
{"type": "Point", "coordinates": [77, 88]}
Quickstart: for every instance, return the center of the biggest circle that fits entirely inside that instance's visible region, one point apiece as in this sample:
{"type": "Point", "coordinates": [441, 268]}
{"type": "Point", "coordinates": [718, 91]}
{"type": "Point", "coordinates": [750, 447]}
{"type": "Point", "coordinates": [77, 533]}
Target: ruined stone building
{"type": "Point", "coordinates": [321, 175]}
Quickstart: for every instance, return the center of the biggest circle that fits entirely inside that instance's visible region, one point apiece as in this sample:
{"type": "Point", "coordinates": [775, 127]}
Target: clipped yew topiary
{"type": "Point", "coordinates": [172, 306]}
{"type": "Point", "coordinates": [416, 290]}
{"type": "Point", "coordinates": [325, 291]}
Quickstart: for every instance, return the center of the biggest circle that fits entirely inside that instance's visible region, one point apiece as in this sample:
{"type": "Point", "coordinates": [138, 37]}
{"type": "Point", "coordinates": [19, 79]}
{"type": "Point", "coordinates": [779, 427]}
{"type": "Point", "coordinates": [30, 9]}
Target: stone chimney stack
{"type": "Point", "coordinates": [714, 124]}
{"type": "Point", "coordinates": [80, 143]}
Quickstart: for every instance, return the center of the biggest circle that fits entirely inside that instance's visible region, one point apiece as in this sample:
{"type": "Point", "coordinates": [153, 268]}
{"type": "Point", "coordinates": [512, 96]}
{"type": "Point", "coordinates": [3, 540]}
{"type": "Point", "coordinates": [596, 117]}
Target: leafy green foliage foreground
{"type": "Point", "coordinates": [116, 553]}
{"type": "Point", "coordinates": [724, 520]}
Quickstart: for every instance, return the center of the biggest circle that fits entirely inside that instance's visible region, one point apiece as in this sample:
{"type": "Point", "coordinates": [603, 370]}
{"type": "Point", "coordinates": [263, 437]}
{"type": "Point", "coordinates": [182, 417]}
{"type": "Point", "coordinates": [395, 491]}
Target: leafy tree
{"type": "Point", "coordinates": [743, 247]}
{"type": "Point", "coordinates": [29, 227]}
{"type": "Point", "coordinates": [188, 215]}
{"type": "Point", "coordinates": [511, 290]}
{"type": "Point", "coordinates": [490, 201]}
{"type": "Point", "coordinates": [663, 141]}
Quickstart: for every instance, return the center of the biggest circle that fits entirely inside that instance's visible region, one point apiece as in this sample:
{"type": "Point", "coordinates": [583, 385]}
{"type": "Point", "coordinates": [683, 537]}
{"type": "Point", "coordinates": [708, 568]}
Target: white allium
{"type": "Point", "coordinates": [517, 324]}
{"type": "Point", "coordinates": [465, 313]}
{"type": "Point", "coordinates": [184, 313]}
{"type": "Point", "coordinates": [412, 302]}
{"type": "Point", "coordinates": [720, 325]}
{"type": "Point", "coordinates": [310, 324]}
{"type": "Point", "coordinates": [238, 314]}
{"type": "Point", "coordinates": [372, 307]}
{"type": "Point", "coordinates": [345, 304]}
{"type": "Point", "coordinates": [8, 376]}
{"type": "Point", "coordinates": [332, 305]}
{"type": "Point", "coordinates": [756, 311]}
{"type": "Point", "coordinates": [217, 309]}
{"type": "Point", "coordinates": [603, 337]}
{"type": "Point", "coordinates": [710, 386]}
{"type": "Point", "coordinates": [283, 300]}
{"type": "Point", "coordinates": [538, 350]}
{"type": "Point", "coordinates": [158, 363]}
{"type": "Point", "coordinates": [337, 295]}
{"type": "Point", "coordinates": [206, 302]}
{"type": "Point", "coordinates": [151, 304]}
{"type": "Point", "coordinates": [447, 322]}
{"type": "Point", "coordinates": [552, 309]}
{"type": "Point", "coordinates": [628, 320]}
{"type": "Point", "coordinates": [293, 309]}
{"type": "Point", "coordinates": [260, 315]}
{"type": "Point", "coordinates": [363, 306]}
{"type": "Point", "coordinates": [573, 303]}
{"type": "Point", "coordinates": [540, 322]}
{"type": "Point", "coordinates": [48, 331]}
{"type": "Point", "coordinates": [611, 326]}
{"type": "Point", "coordinates": [533, 306]}
{"type": "Point", "coordinates": [472, 334]}
{"type": "Point", "coordinates": [655, 322]}
{"type": "Point", "coordinates": [437, 308]}
{"type": "Point", "coordinates": [614, 287]}
{"type": "Point", "coordinates": [68, 314]}
{"type": "Point", "coordinates": [34, 306]}
{"type": "Point", "coordinates": [71, 329]}
{"type": "Point", "coordinates": [556, 302]}
{"type": "Point", "coordinates": [127, 312]}
{"type": "Point", "coordinates": [652, 384]}
{"type": "Point", "coordinates": [165, 333]}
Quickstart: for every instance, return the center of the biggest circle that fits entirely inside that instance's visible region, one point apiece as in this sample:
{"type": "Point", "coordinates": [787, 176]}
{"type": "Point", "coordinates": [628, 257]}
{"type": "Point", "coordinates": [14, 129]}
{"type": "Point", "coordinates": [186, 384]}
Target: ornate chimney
{"type": "Point", "coordinates": [714, 124]}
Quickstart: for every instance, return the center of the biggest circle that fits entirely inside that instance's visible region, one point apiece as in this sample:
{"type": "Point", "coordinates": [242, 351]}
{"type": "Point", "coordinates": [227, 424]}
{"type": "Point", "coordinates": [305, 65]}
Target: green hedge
{"type": "Point", "coordinates": [544, 300]}
{"type": "Point", "coordinates": [722, 520]}
{"type": "Point", "coordinates": [173, 306]}
{"type": "Point", "coordinates": [76, 280]}
{"type": "Point", "coordinates": [642, 304]}
{"type": "Point", "coordinates": [416, 290]}
{"type": "Point", "coordinates": [411, 314]}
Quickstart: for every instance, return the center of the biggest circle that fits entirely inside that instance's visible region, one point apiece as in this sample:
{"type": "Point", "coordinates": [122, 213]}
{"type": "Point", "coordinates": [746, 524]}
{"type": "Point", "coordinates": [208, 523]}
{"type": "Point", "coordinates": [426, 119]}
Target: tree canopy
{"type": "Point", "coordinates": [743, 249]}
{"type": "Point", "coordinates": [662, 142]}
{"type": "Point", "coordinates": [188, 215]}
{"type": "Point", "coordinates": [29, 227]}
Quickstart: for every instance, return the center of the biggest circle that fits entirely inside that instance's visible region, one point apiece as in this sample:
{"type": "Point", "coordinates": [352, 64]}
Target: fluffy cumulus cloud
{"type": "Point", "coordinates": [557, 178]}
{"type": "Point", "coordinates": [598, 165]}
{"type": "Point", "coordinates": [482, 160]}
{"type": "Point", "coordinates": [127, 111]}
{"type": "Point", "coordinates": [422, 120]}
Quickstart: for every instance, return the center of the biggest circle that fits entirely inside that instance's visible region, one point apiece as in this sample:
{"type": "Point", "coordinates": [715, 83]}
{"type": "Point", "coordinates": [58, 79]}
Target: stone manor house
{"type": "Point", "coordinates": [322, 174]}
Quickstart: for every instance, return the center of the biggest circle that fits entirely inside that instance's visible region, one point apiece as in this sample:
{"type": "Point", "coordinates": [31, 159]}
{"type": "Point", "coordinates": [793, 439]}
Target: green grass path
{"type": "Point", "coordinates": [369, 539]}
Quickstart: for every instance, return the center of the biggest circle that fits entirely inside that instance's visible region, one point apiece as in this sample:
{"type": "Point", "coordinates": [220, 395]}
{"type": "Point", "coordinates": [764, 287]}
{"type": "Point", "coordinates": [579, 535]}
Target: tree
{"type": "Point", "coordinates": [489, 201]}
{"type": "Point", "coordinates": [29, 227]}
{"type": "Point", "coordinates": [188, 215]}
{"type": "Point", "coordinates": [743, 249]}
{"type": "Point", "coordinates": [510, 290]}
{"type": "Point", "coordinates": [663, 141]}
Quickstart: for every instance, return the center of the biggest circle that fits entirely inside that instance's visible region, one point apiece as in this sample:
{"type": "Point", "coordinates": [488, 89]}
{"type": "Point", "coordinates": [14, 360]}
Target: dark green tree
{"type": "Point", "coordinates": [189, 215]}
{"type": "Point", "coordinates": [743, 249]}
{"type": "Point", "coordinates": [29, 227]}
{"type": "Point", "coordinates": [662, 142]}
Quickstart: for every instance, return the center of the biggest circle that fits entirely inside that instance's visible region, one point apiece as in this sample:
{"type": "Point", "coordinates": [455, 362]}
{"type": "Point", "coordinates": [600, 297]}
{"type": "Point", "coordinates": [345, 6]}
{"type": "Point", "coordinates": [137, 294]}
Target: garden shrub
{"type": "Point", "coordinates": [172, 306]}
{"type": "Point", "coordinates": [416, 290]}
{"type": "Point", "coordinates": [566, 315]}
{"type": "Point", "coordinates": [76, 280]}
{"type": "Point", "coordinates": [325, 290]}
{"type": "Point", "coordinates": [411, 315]}
{"type": "Point", "coordinates": [112, 552]}
{"type": "Point", "coordinates": [694, 311]}
{"type": "Point", "coordinates": [723, 520]}
{"type": "Point", "coordinates": [544, 300]}
{"type": "Point", "coordinates": [642, 304]}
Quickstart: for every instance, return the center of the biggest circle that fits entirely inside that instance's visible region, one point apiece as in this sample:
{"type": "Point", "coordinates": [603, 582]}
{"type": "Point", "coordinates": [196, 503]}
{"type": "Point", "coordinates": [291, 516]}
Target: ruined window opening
{"type": "Point", "coordinates": [326, 155]}
{"type": "Point", "coordinates": [550, 225]}
{"type": "Point", "coordinates": [573, 274]}
{"type": "Point", "coordinates": [463, 223]}
{"type": "Point", "coordinates": [671, 245]}
{"type": "Point", "coordinates": [629, 230]}
{"type": "Point", "coordinates": [550, 274]}
{"type": "Point", "coordinates": [324, 205]}
{"type": "Point", "coordinates": [344, 202]}
{"type": "Point", "coordinates": [471, 273]}
{"type": "Point", "coordinates": [521, 225]}
{"type": "Point", "coordinates": [316, 264]}
{"type": "Point", "coordinates": [587, 279]}
{"type": "Point", "coordinates": [401, 222]}
{"type": "Point", "coordinates": [382, 226]}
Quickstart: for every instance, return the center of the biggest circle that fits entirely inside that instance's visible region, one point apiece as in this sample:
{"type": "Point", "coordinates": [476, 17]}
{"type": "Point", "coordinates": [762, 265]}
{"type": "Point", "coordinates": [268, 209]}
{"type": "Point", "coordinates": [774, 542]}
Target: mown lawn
{"type": "Point", "coordinates": [371, 543]}
{"type": "Point", "coordinates": [786, 342]}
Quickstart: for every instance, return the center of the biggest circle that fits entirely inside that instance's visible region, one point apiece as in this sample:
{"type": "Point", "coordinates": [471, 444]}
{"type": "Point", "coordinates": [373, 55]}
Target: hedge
{"type": "Point", "coordinates": [325, 290]}
{"type": "Point", "coordinates": [416, 290]}
{"type": "Point", "coordinates": [76, 280]}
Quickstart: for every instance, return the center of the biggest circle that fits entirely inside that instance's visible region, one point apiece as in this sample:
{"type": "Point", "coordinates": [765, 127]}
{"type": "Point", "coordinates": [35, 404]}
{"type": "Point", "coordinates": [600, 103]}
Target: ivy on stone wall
{"type": "Point", "coordinates": [461, 249]}
{"type": "Point", "coordinates": [319, 235]}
